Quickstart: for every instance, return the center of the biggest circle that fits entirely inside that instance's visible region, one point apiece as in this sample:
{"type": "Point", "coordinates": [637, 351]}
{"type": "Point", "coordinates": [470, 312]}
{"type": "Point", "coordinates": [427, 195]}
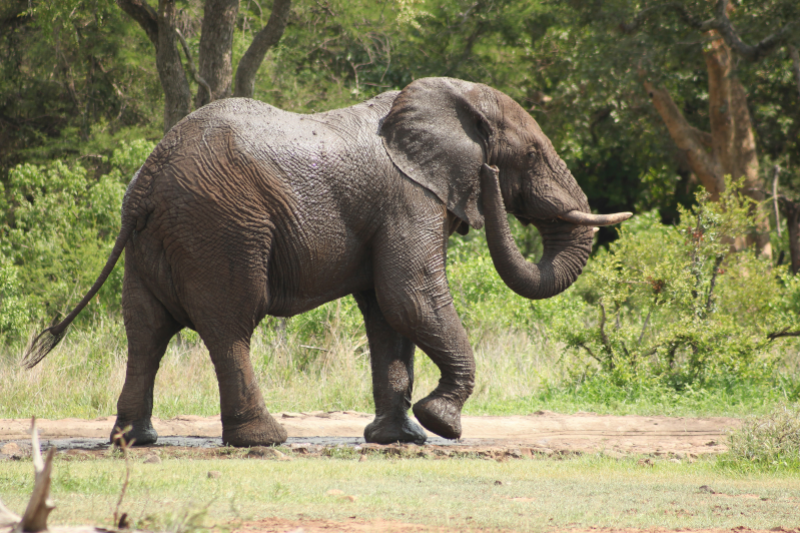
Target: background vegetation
{"type": "Point", "coordinates": [665, 318]}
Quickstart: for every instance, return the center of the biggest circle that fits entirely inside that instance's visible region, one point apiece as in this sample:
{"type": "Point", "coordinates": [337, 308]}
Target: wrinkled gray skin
{"type": "Point", "coordinates": [244, 210]}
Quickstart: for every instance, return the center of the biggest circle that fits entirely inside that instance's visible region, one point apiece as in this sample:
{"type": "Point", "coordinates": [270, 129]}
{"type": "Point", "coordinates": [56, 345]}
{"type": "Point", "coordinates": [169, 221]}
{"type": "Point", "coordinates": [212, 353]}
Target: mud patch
{"type": "Point", "coordinates": [340, 432]}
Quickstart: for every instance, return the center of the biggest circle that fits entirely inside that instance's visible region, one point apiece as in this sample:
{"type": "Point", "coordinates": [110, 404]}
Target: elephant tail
{"type": "Point", "coordinates": [49, 338]}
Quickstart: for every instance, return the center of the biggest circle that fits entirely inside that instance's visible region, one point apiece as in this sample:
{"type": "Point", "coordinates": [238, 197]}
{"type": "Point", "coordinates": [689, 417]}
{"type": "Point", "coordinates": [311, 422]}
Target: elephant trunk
{"type": "Point", "coordinates": [566, 247]}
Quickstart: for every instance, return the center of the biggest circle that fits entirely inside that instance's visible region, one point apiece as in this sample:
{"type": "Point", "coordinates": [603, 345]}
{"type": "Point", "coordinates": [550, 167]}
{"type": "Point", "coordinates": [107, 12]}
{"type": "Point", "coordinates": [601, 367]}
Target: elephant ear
{"type": "Point", "coordinates": [438, 135]}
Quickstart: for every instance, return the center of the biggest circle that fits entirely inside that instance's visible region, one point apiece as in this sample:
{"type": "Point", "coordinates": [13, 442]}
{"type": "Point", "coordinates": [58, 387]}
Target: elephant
{"type": "Point", "coordinates": [244, 210]}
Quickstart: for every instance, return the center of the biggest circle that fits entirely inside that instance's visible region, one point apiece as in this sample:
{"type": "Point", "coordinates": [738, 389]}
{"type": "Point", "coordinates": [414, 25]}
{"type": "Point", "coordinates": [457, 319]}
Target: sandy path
{"type": "Point", "coordinates": [543, 431]}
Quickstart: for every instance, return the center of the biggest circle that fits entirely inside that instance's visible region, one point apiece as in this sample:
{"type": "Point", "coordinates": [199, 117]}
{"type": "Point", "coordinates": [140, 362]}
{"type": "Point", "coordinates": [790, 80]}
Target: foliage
{"type": "Point", "coordinates": [672, 303]}
{"type": "Point", "coordinates": [60, 225]}
{"type": "Point", "coordinates": [771, 441]}
{"type": "Point", "coordinates": [14, 308]}
{"type": "Point", "coordinates": [75, 78]}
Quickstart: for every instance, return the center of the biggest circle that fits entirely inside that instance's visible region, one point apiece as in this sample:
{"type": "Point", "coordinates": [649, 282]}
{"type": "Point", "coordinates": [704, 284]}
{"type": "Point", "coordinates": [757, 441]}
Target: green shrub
{"type": "Point", "coordinates": [59, 225]}
{"type": "Point", "coordinates": [14, 308]}
{"type": "Point", "coordinates": [673, 304]}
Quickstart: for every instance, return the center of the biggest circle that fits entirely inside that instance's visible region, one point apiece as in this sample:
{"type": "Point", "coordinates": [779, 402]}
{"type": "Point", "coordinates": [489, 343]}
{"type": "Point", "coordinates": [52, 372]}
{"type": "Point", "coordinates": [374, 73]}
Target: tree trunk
{"type": "Point", "coordinates": [730, 148]}
{"type": "Point", "coordinates": [792, 212]}
{"type": "Point", "coordinates": [262, 42]}
{"type": "Point", "coordinates": [177, 96]}
{"type": "Point", "coordinates": [216, 47]}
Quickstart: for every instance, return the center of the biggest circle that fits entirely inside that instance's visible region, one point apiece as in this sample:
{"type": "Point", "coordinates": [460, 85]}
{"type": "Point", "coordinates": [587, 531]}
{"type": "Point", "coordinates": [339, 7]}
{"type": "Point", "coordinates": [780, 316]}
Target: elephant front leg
{"type": "Point", "coordinates": [392, 359]}
{"type": "Point", "coordinates": [444, 340]}
{"type": "Point", "coordinates": [416, 301]}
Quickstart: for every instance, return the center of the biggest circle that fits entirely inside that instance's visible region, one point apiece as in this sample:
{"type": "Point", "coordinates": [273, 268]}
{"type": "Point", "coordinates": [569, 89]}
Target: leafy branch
{"type": "Point", "coordinates": [720, 23]}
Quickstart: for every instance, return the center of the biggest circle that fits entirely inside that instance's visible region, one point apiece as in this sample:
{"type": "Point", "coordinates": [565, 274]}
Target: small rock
{"type": "Point", "coordinates": [646, 462]}
{"type": "Point", "coordinates": [362, 459]}
{"type": "Point", "coordinates": [498, 482]}
{"type": "Point", "coordinates": [706, 488]}
{"type": "Point", "coordinates": [11, 448]}
{"type": "Point", "coordinates": [152, 459]}
{"type": "Point", "coordinates": [677, 461]}
{"type": "Point", "coordinates": [680, 455]}
{"type": "Point", "coordinates": [214, 474]}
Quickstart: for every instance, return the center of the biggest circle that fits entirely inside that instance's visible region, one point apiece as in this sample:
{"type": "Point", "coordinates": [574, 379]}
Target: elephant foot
{"type": "Point", "coordinates": [388, 430]}
{"type": "Point", "coordinates": [141, 433]}
{"type": "Point", "coordinates": [440, 416]}
{"type": "Point", "coordinates": [263, 431]}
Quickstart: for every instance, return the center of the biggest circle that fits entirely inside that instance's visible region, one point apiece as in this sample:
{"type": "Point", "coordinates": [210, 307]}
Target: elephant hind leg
{"type": "Point", "coordinates": [245, 419]}
{"type": "Point", "coordinates": [149, 328]}
{"type": "Point", "coordinates": [392, 359]}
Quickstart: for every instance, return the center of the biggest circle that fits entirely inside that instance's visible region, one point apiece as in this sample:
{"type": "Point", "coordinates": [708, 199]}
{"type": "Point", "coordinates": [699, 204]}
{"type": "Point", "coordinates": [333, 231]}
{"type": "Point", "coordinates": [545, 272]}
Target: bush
{"type": "Point", "coordinates": [59, 225]}
{"type": "Point", "coordinates": [674, 304]}
{"type": "Point", "coordinates": [14, 308]}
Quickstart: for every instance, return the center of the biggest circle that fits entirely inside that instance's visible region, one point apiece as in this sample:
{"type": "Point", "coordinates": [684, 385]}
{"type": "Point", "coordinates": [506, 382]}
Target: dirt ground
{"type": "Point", "coordinates": [316, 432]}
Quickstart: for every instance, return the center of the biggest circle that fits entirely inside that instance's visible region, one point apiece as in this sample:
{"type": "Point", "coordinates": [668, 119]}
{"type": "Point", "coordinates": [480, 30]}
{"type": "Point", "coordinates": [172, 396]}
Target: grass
{"type": "Point", "coordinates": [517, 373]}
{"type": "Point", "coordinates": [585, 491]}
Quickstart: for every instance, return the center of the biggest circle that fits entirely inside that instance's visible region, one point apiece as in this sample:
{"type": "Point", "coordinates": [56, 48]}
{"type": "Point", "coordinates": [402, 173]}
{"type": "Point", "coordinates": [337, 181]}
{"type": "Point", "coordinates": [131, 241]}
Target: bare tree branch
{"type": "Point", "coordinates": [603, 336]}
{"type": "Point", "coordinates": [141, 12]}
{"type": "Point", "coordinates": [710, 300]}
{"type": "Point", "coordinates": [783, 333]}
{"type": "Point", "coordinates": [190, 64]}
{"type": "Point", "coordinates": [776, 170]}
{"type": "Point", "coordinates": [40, 505]}
{"type": "Point", "coordinates": [262, 42]}
{"type": "Point", "coordinates": [590, 352]}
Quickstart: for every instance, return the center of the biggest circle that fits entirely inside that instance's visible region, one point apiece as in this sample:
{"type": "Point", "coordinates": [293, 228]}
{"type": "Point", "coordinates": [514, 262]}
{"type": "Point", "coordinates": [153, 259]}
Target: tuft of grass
{"type": "Point", "coordinates": [770, 441]}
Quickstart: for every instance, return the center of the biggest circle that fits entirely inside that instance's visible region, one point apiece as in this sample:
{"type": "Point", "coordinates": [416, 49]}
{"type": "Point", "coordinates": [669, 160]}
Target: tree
{"type": "Point", "coordinates": [214, 77]}
{"type": "Point", "coordinates": [730, 147]}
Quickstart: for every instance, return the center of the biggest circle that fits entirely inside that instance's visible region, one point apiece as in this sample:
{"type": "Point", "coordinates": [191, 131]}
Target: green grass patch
{"type": "Point", "coordinates": [524, 495]}
{"type": "Point", "coordinates": [517, 373]}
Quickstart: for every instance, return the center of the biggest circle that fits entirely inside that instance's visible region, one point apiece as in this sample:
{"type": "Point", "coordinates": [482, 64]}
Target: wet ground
{"type": "Point", "coordinates": [323, 433]}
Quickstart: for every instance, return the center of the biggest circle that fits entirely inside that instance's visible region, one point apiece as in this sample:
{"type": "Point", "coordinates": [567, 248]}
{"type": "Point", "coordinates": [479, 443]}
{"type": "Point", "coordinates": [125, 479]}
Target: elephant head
{"type": "Point", "coordinates": [483, 155]}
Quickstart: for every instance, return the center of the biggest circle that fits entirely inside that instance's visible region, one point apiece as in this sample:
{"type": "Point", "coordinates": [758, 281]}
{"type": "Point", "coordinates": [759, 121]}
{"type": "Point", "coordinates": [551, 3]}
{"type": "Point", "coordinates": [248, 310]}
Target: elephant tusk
{"type": "Point", "coordinates": [579, 218]}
